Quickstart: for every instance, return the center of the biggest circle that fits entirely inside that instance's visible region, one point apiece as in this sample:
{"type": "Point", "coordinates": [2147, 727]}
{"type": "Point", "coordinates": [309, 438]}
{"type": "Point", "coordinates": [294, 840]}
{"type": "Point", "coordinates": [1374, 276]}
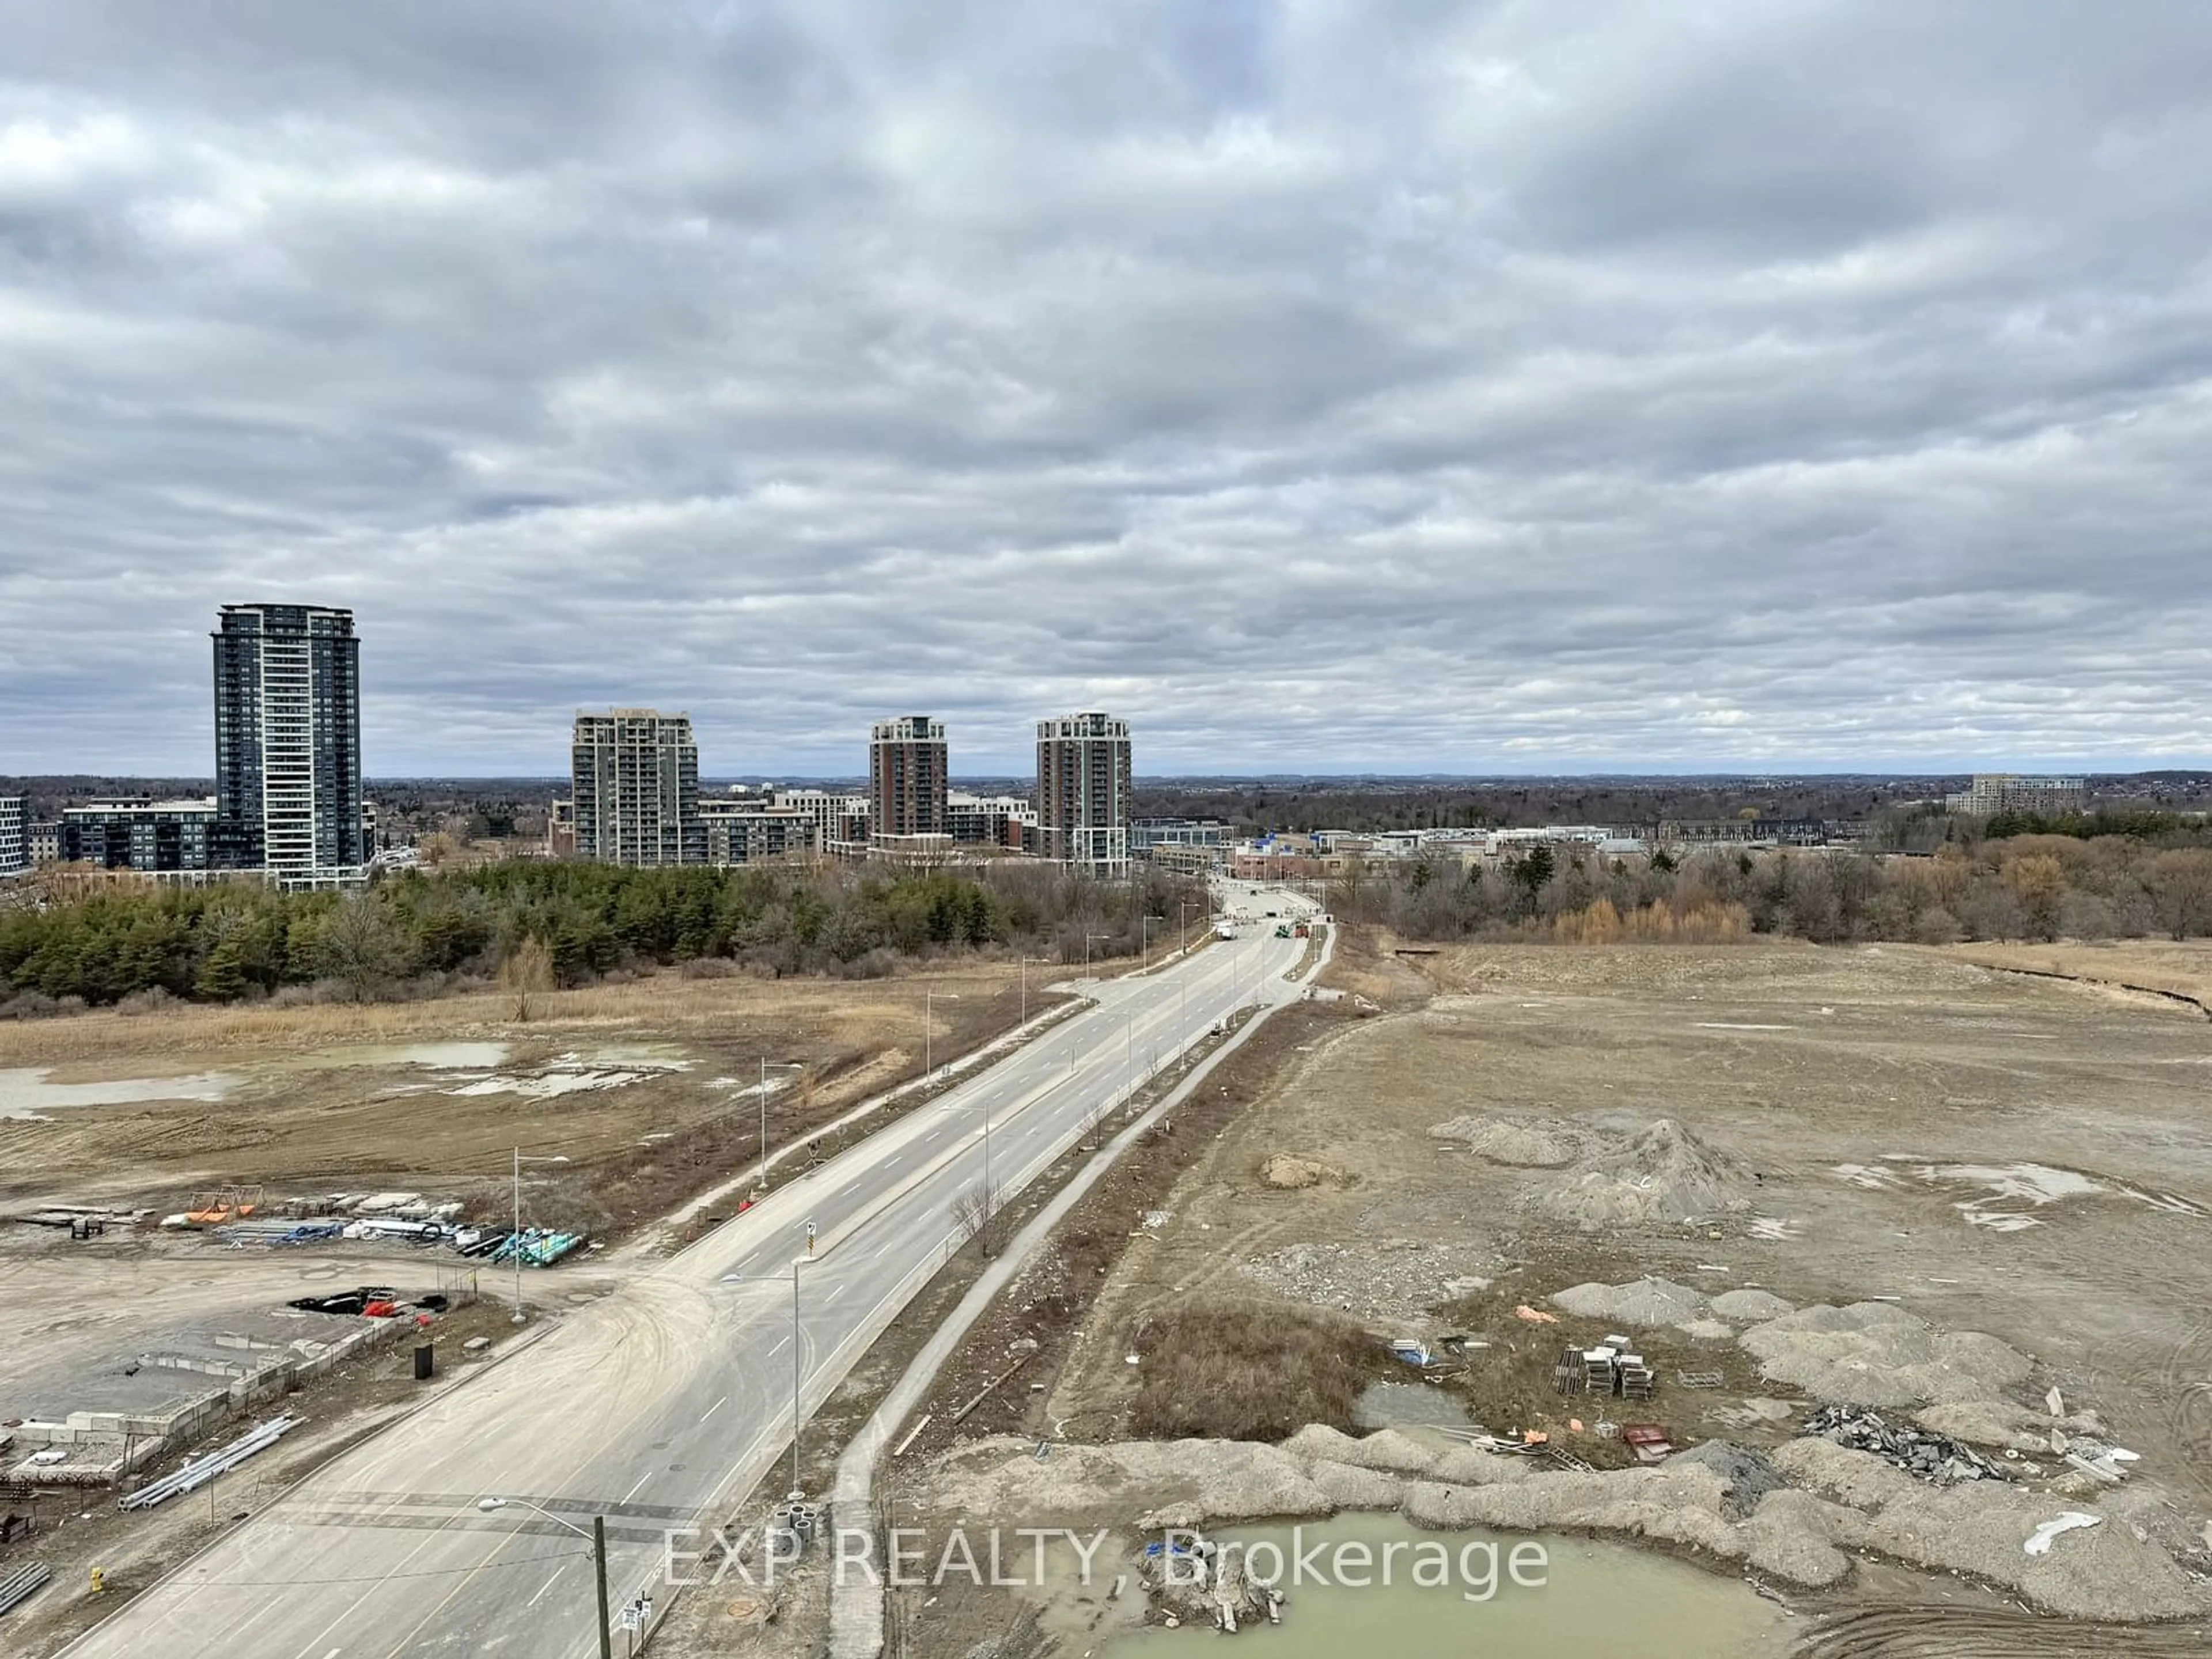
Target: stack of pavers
{"type": "Point", "coordinates": [1605, 1370]}
{"type": "Point", "coordinates": [1918, 1452]}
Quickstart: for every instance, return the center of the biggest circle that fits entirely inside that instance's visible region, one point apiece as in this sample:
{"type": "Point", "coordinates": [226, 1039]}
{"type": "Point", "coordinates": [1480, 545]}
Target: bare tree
{"type": "Point", "coordinates": [527, 972]}
{"type": "Point", "coordinates": [362, 947]}
{"type": "Point", "coordinates": [975, 1215]}
{"type": "Point", "coordinates": [2180, 887]}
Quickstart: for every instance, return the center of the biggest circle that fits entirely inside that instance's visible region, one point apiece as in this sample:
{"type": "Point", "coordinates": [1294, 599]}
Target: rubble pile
{"type": "Point", "coordinates": [1392, 1280]}
{"type": "Point", "coordinates": [1920, 1453]}
{"type": "Point", "coordinates": [1192, 1580]}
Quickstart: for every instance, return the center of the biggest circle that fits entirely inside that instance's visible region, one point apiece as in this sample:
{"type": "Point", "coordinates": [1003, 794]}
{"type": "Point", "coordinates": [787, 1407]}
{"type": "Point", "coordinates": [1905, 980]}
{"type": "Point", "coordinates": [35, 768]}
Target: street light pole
{"type": "Point", "coordinates": [1087, 938]}
{"type": "Point", "coordinates": [777, 1278]}
{"type": "Point", "coordinates": [514, 1238]}
{"type": "Point", "coordinates": [1144, 940]}
{"type": "Point", "coordinates": [760, 1182]}
{"type": "Point", "coordinates": [1025, 985]}
{"type": "Point", "coordinates": [928, 1028]}
{"type": "Point", "coordinates": [598, 1535]}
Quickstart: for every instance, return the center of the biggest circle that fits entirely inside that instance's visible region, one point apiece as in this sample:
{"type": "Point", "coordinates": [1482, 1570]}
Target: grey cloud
{"type": "Point", "coordinates": [1403, 384]}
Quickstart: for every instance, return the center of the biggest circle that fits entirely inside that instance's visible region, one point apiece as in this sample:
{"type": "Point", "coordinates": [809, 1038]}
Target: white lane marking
{"type": "Point", "coordinates": [632, 1491]}
{"type": "Point", "coordinates": [849, 1185]}
{"type": "Point", "coordinates": [716, 1407]}
{"type": "Point", "coordinates": [782, 1342]}
{"type": "Point", "coordinates": [532, 1602]}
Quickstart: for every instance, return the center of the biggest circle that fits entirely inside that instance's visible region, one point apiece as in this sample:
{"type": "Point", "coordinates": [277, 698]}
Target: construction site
{"type": "Point", "coordinates": [242, 1240]}
{"type": "Point", "coordinates": [1865, 1287]}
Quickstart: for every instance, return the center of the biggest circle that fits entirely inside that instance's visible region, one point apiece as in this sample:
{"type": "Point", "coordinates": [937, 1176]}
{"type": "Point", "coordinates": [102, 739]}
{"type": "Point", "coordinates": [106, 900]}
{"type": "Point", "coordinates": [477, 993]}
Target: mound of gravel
{"type": "Point", "coordinates": [2099, 1572]}
{"type": "Point", "coordinates": [1794, 1537]}
{"type": "Point", "coordinates": [1640, 1305]}
{"type": "Point", "coordinates": [1750, 1305]}
{"type": "Point", "coordinates": [1875, 1353]}
{"type": "Point", "coordinates": [1533, 1144]}
{"type": "Point", "coordinates": [1671, 1505]}
{"type": "Point", "coordinates": [1661, 1174]}
{"type": "Point", "coordinates": [1387, 1449]}
{"type": "Point", "coordinates": [1352, 1488]}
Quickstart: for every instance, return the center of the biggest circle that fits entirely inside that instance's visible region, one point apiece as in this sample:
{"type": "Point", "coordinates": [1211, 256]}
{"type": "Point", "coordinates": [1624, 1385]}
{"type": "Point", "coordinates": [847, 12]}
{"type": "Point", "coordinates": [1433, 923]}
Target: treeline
{"type": "Point", "coordinates": [420, 933]}
{"type": "Point", "coordinates": [2021, 887]}
{"type": "Point", "coordinates": [1295, 804]}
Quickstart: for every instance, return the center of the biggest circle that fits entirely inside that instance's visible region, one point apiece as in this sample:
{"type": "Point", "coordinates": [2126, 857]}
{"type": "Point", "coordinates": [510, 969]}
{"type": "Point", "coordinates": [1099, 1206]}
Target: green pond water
{"type": "Point", "coordinates": [1595, 1597]}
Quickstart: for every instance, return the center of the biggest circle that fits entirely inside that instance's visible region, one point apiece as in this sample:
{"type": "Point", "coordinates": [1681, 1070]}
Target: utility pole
{"type": "Point", "coordinates": [928, 1028]}
{"type": "Point", "coordinates": [760, 1182]}
{"type": "Point", "coordinates": [797, 1492]}
{"type": "Point", "coordinates": [514, 1239]}
{"type": "Point", "coordinates": [598, 1539]}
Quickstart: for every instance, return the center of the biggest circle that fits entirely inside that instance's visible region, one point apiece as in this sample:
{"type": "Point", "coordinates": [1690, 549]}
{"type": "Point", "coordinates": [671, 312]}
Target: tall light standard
{"type": "Point", "coordinates": [777, 1278]}
{"type": "Point", "coordinates": [514, 1240]}
{"type": "Point", "coordinates": [760, 1182]}
{"type": "Point", "coordinates": [928, 1030]}
{"type": "Point", "coordinates": [1087, 938]}
{"type": "Point", "coordinates": [1040, 961]}
{"type": "Point", "coordinates": [597, 1539]}
{"type": "Point", "coordinates": [1144, 940]}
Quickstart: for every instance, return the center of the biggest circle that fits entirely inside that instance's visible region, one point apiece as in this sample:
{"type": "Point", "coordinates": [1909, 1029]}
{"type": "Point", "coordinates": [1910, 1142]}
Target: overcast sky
{"type": "Point", "coordinates": [1394, 384]}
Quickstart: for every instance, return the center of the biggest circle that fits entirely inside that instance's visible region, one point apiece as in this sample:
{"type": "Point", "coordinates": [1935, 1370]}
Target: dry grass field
{"type": "Point", "coordinates": [647, 1088]}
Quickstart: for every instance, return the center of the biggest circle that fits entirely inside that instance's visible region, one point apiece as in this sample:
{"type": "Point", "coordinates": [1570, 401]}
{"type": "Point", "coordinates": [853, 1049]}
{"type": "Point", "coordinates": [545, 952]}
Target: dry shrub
{"type": "Point", "coordinates": [1246, 1373]}
{"type": "Point", "coordinates": [1663, 923]}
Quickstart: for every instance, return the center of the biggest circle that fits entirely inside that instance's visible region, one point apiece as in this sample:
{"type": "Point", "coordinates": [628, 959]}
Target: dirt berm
{"type": "Point", "coordinates": [1841, 1501]}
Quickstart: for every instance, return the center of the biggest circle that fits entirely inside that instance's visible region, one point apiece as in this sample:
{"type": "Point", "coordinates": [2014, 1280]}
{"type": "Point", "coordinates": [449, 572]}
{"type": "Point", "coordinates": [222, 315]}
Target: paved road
{"type": "Point", "coordinates": [660, 1405]}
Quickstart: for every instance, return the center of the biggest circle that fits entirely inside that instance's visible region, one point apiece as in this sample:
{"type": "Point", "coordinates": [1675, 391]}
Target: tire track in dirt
{"type": "Point", "coordinates": [1936, 1632]}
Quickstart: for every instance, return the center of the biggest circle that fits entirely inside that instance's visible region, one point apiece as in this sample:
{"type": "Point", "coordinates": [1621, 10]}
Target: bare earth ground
{"type": "Point", "coordinates": [327, 1098]}
{"type": "Point", "coordinates": [1865, 1109]}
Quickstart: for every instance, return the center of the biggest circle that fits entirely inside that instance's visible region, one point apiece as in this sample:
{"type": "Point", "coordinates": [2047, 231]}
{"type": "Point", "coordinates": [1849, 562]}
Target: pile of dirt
{"type": "Point", "coordinates": [1533, 1144]}
{"type": "Point", "coordinates": [1661, 1174]}
{"type": "Point", "coordinates": [1289, 1174]}
{"type": "Point", "coordinates": [1642, 1305]}
{"type": "Point", "coordinates": [1752, 1305]}
{"type": "Point", "coordinates": [1875, 1353]}
{"type": "Point", "coordinates": [2112, 1571]}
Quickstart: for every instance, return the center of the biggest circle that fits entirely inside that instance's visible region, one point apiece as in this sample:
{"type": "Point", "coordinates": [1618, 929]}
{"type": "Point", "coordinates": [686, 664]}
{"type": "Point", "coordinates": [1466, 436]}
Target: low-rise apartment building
{"type": "Point", "coordinates": [750, 830]}
{"type": "Point", "coordinates": [142, 833]}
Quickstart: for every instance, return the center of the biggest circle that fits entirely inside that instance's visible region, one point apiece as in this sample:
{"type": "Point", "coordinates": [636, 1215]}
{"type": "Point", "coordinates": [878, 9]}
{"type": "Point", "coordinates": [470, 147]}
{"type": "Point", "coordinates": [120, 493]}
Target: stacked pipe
{"type": "Point", "coordinates": [195, 1475]}
{"type": "Point", "coordinates": [23, 1583]}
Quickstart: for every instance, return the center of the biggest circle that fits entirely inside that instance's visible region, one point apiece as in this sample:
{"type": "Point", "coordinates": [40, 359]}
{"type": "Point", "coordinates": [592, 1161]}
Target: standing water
{"type": "Point", "coordinates": [1593, 1597]}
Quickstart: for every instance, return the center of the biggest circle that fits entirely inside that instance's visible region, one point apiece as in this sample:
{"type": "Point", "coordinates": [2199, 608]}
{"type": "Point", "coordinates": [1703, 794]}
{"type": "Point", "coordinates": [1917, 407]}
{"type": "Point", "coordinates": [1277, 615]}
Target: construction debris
{"type": "Point", "coordinates": [2071, 1521]}
{"type": "Point", "coordinates": [1920, 1453]}
{"type": "Point", "coordinates": [23, 1583]}
{"type": "Point", "coordinates": [1190, 1577]}
{"type": "Point", "coordinates": [1604, 1371]}
{"type": "Point", "coordinates": [194, 1475]}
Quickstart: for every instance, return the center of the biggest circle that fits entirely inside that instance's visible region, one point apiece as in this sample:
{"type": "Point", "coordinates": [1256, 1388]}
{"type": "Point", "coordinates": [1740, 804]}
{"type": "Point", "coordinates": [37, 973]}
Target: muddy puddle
{"type": "Point", "coordinates": [27, 1097]}
{"type": "Point", "coordinates": [1588, 1597]}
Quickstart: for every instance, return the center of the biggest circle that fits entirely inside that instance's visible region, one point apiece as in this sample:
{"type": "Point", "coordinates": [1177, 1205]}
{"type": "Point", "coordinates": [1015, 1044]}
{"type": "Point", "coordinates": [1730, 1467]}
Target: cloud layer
{"type": "Point", "coordinates": [1382, 383]}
